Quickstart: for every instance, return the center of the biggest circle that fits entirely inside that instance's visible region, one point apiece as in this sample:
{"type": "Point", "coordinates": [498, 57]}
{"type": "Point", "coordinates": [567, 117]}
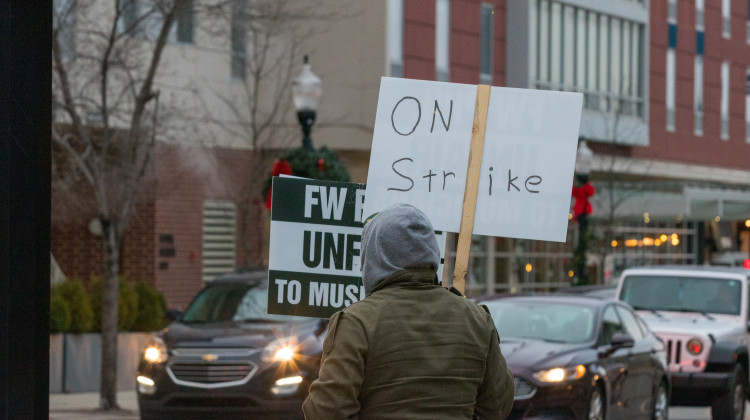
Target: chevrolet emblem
{"type": "Point", "coordinates": [210, 357]}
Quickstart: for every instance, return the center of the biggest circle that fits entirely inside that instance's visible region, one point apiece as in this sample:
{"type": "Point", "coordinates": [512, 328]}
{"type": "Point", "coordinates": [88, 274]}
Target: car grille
{"type": "Point", "coordinates": [211, 373]}
{"type": "Point", "coordinates": [211, 368]}
{"type": "Point", "coordinates": [674, 352]}
{"type": "Point", "coordinates": [522, 388]}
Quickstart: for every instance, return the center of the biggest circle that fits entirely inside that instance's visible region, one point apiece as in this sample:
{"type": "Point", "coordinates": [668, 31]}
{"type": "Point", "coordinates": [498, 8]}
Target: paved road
{"type": "Point", "coordinates": [676, 413]}
{"type": "Point", "coordinates": [81, 406]}
{"type": "Point", "coordinates": [685, 413]}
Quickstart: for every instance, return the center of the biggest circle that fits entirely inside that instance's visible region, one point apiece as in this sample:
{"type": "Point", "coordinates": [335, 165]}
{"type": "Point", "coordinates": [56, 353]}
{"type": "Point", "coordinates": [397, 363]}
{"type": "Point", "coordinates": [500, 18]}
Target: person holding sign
{"type": "Point", "coordinates": [411, 348]}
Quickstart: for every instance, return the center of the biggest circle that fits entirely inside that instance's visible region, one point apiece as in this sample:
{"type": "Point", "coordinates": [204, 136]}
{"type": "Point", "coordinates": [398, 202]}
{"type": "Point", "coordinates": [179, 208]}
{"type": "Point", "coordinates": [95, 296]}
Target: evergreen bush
{"type": "Point", "coordinates": [323, 164]}
{"type": "Point", "coordinates": [81, 313]}
{"type": "Point", "coordinates": [59, 312]}
{"type": "Point", "coordinates": [127, 304]}
{"type": "Point", "coordinates": [151, 308]}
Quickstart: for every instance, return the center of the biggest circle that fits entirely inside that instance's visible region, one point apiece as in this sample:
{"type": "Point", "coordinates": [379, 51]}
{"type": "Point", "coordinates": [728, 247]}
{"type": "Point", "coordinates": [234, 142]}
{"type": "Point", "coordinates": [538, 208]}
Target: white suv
{"type": "Point", "coordinates": [701, 314]}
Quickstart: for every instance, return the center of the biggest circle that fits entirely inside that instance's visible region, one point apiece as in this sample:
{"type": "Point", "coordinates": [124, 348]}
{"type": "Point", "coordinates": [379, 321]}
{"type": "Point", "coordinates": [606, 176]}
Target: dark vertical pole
{"type": "Point", "coordinates": [25, 117]}
{"type": "Point", "coordinates": [583, 242]}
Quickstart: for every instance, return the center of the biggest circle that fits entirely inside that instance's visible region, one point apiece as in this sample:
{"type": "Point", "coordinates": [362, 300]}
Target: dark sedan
{"type": "Point", "coordinates": [578, 357]}
{"type": "Point", "coordinates": [225, 357]}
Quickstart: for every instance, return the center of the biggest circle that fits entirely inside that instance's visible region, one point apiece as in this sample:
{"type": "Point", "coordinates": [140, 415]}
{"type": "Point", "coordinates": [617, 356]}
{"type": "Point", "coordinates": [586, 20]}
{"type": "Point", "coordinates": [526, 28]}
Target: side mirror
{"type": "Point", "coordinates": [622, 340]}
{"type": "Point", "coordinates": [322, 326]}
{"type": "Point", "coordinates": [174, 314]}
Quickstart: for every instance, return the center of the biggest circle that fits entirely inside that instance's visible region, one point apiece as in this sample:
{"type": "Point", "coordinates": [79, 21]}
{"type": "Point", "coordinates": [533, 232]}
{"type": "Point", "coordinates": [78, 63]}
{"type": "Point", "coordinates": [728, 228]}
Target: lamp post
{"type": "Point", "coordinates": [582, 191]}
{"type": "Point", "coordinates": [306, 91]}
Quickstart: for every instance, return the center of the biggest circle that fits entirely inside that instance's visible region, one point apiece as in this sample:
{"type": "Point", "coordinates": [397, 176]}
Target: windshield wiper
{"type": "Point", "coordinates": [531, 337]}
{"type": "Point", "coordinates": [275, 321]}
{"type": "Point", "coordinates": [653, 311]}
{"type": "Point", "coordinates": [704, 313]}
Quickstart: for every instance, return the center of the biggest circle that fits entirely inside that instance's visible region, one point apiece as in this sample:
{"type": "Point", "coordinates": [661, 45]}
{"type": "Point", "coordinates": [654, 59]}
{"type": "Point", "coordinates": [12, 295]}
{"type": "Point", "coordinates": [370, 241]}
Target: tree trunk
{"type": "Point", "coordinates": [110, 292]}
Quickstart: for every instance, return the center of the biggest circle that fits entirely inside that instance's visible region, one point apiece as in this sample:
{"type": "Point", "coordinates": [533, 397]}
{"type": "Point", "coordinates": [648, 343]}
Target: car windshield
{"type": "Point", "coordinates": [684, 294]}
{"type": "Point", "coordinates": [239, 302]}
{"type": "Point", "coordinates": [547, 321]}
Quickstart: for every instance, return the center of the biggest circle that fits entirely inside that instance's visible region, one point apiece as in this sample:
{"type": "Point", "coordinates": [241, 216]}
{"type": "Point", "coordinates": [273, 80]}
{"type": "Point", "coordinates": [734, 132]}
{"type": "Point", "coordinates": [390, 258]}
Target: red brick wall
{"type": "Point", "coordinates": [419, 40]}
{"type": "Point", "coordinates": [77, 251]}
{"type": "Point", "coordinates": [80, 253]}
{"type": "Point", "coordinates": [188, 177]}
{"type": "Point", "coordinates": [682, 144]}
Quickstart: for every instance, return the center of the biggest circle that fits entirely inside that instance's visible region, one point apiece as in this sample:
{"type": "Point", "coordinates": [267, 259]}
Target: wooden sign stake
{"type": "Point", "coordinates": [472, 187]}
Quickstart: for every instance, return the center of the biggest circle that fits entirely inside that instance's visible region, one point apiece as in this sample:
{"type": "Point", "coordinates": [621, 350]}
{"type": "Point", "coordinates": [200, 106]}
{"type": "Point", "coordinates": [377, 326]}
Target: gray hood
{"type": "Point", "coordinates": [397, 238]}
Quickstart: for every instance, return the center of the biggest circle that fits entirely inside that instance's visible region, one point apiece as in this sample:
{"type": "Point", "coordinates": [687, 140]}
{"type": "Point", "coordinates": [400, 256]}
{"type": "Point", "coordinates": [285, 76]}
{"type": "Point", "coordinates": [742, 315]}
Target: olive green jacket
{"type": "Point", "coordinates": [411, 350]}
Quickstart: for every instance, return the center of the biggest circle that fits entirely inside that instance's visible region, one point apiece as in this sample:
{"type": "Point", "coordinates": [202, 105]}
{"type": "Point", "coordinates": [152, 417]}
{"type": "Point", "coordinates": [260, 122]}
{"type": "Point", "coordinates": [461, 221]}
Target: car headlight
{"type": "Point", "coordinates": [286, 386]}
{"type": "Point", "coordinates": [560, 374]}
{"type": "Point", "coordinates": [156, 351]}
{"type": "Point", "coordinates": [694, 346]}
{"type": "Point", "coordinates": [280, 351]}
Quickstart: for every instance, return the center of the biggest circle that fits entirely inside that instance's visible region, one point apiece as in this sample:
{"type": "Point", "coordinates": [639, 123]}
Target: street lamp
{"type": "Point", "coordinates": [582, 191]}
{"type": "Point", "coordinates": [306, 91]}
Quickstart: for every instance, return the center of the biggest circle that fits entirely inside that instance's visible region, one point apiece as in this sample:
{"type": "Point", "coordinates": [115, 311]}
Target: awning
{"type": "Point", "coordinates": [691, 203]}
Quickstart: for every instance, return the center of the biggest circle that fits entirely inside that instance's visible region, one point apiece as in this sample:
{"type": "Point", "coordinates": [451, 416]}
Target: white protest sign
{"type": "Point", "coordinates": [420, 148]}
{"type": "Point", "coordinates": [527, 165]}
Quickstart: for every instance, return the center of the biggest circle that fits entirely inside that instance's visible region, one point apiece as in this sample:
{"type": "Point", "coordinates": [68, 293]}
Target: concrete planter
{"type": "Point", "coordinates": [75, 361]}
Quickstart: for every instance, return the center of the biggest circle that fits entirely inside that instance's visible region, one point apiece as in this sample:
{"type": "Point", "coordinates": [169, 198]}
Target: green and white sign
{"type": "Point", "coordinates": [314, 265]}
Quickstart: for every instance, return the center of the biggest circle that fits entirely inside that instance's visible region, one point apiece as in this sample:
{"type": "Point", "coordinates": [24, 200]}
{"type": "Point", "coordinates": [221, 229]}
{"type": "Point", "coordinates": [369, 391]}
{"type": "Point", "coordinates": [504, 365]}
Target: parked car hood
{"type": "Point", "coordinates": [692, 323]}
{"type": "Point", "coordinates": [234, 334]}
{"type": "Point", "coordinates": [530, 354]}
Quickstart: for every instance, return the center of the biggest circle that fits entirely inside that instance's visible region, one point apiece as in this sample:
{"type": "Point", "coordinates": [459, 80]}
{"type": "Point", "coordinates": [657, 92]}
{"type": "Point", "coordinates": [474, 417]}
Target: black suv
{"type": "Point", "coordinates": [225, 357]}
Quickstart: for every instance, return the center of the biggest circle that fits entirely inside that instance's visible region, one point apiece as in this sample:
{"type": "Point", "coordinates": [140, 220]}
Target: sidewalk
{"type": "Point", "coordinates": [84, 405]}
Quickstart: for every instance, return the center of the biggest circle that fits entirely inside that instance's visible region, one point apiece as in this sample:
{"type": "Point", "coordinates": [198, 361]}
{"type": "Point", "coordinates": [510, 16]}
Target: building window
{"type": "Point", "coordinates": [182, 31]}
{"type": "Point", "coordinates": [698, 67]}
{"type": "Point", "coordinates": [396, 37]}
{"type": "Point", "coordinates": [580, 48]}
{"type": "Point", "coordinates": [219, 238]}
{"type": "Point", "coordinates": [672, 10]}
{"type": "Point", "coordinates": [747, 105]}
{"type": "Point", "coordinates": [726, 18]}
{"type": "Point", "coordinates": [569, 47]}
{"type": "Point", "coordinates": [543, 45]}
{"type": "Point", "coordinates": [487, 44]}
{"type": "Point", "coordinates": [442, 40]}
{"type": "Point", "coordinates": [239, 39]}
{"type": "Point", "coordinates": [140, 18]}
{"type": "Point", "coordinates": [590, 52]}
{"type": "Point", "coordinates": [670, 88]}
{"type": "Point", "coordinates": [725, 100]}
{"type": "Point", "coordinates": [698, 95]}
{"type": "Point", "coordinates": [555, 74]}
{"type": "Point", "coordinates": [128, 16]}
{"type": "Point", "coordinates": [615, 74]}
{"type": "Point", "coordinates": [64, 22]}
{"type": "Point", "coordinates": [671, 47]}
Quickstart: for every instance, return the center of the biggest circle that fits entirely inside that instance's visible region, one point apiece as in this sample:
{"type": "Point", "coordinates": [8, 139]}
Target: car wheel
{"type": "Point", "coordinates": [731, 404]}
{"type": "Point", "coordinates": [661, 403]}
{"type": "Point", "coordinates": [596, 405]}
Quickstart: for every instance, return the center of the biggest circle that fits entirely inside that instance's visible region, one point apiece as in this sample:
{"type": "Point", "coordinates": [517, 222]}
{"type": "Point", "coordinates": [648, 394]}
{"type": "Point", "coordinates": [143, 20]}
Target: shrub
{"type": "Point", "coordinates": [59, 312]}
{"type": "Point", "coordinates": [151, 308]}
{"type": "Point", "coordinates": [127, 304]}
{"type": "Point", "coordinates": [81, 313]}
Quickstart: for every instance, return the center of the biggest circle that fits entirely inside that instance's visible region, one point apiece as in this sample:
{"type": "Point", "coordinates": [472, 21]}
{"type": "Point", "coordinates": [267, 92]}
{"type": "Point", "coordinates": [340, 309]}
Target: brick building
{"type": "Point", "coordinates": [665, 112]}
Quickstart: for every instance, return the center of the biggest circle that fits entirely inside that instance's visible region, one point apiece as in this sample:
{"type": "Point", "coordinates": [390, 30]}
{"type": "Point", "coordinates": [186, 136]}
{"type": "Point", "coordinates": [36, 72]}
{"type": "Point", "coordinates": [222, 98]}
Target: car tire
{"type": "Point", "coordinates": [661, 403]}
{"type": "Point", "coordinates": [595, 410]}
{"type": "Point", "coordinates": [731, 404]}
